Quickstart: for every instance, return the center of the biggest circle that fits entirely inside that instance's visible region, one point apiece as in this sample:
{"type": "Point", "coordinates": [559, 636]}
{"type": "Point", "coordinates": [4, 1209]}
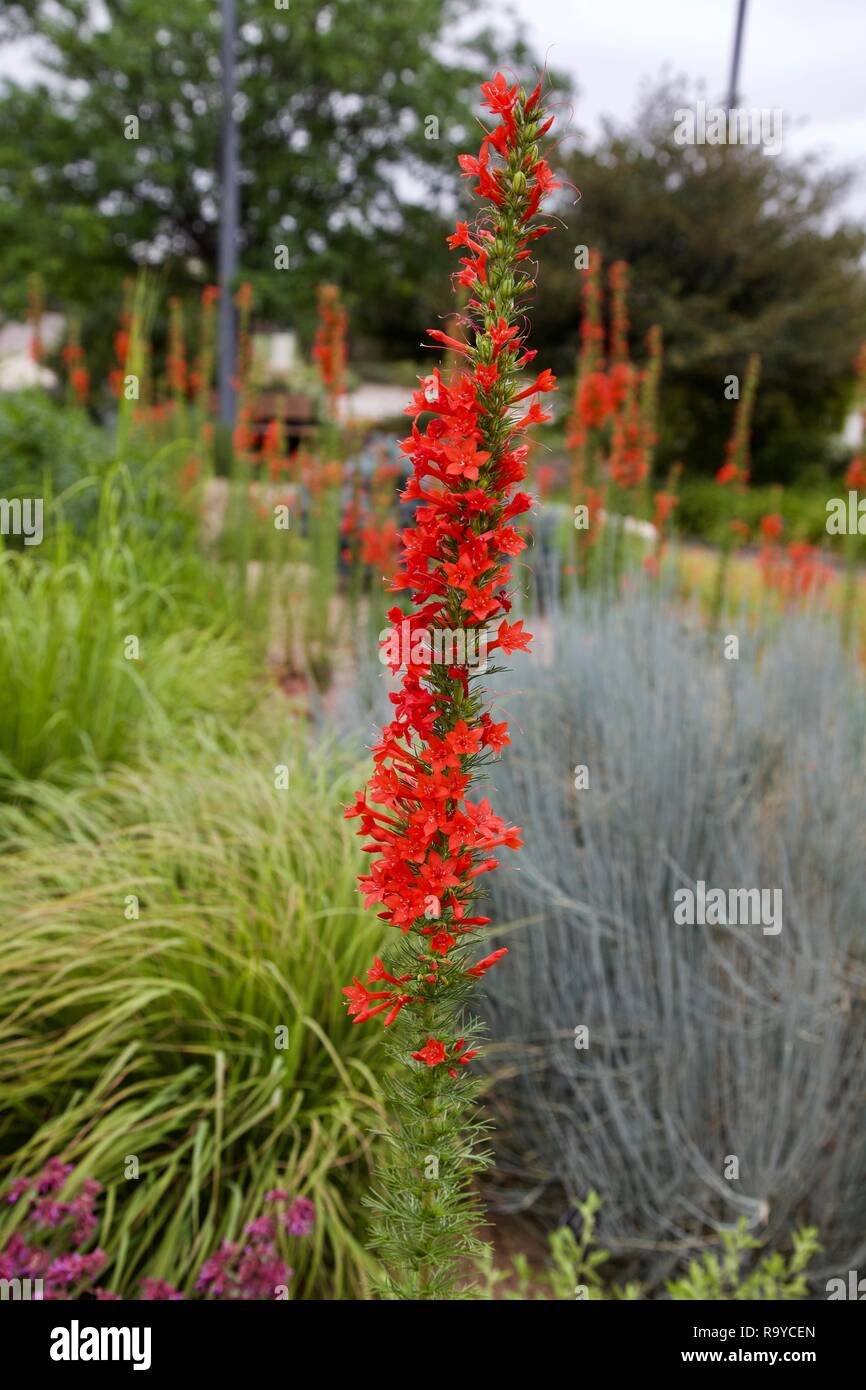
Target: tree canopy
{"type": "Point", "coordinates": [732, 251]}
{"type": "Point", "coordinates": [351, 117]}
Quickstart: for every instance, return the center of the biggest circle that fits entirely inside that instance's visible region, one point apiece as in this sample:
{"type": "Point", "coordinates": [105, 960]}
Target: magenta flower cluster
{"type": "Point", "coordinates": [35, 1254]}
{"type": "Point", "coordinates": [47, 1246]}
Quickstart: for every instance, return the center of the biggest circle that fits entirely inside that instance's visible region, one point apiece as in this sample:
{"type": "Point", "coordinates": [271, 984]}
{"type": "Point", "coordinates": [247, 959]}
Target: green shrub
{"type": "Point", "coordinates": [722, 1276]}
{"type": "Point", "coordinates": [46, 449]}
{"type": "Point", "coordinates": [704, 510]}
{"type": "Point", "coordinates": [156, 1037]}
{"type": "Point", "coordinates": [575, 1269]}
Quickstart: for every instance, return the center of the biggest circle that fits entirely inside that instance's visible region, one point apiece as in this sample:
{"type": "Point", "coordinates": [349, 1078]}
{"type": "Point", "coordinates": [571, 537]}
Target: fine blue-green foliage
{"type": "Point", "coordinates": [723, 1071]}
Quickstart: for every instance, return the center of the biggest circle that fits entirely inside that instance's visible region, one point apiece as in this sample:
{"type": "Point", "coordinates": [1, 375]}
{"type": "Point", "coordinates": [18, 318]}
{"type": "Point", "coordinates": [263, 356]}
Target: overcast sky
{"type": "Point", "coordinates": [804, 56]}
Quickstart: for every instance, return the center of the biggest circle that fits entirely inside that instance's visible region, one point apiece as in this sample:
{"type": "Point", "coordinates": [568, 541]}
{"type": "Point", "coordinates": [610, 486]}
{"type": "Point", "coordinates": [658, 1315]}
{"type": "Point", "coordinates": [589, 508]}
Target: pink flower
{"type": "Point", "coordinates": [300, 1217]}
{"type": "Point", "coordinates": [159, 1291]}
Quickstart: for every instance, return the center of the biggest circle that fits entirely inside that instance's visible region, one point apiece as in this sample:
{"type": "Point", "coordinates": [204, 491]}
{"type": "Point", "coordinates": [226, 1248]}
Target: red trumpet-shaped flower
{"type": "Point", "coordinates": [428, 842]}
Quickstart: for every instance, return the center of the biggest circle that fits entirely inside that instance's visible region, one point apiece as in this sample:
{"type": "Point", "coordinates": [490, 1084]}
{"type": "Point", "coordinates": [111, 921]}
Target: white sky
{"type": "Point", "coordinates": [804, 56]}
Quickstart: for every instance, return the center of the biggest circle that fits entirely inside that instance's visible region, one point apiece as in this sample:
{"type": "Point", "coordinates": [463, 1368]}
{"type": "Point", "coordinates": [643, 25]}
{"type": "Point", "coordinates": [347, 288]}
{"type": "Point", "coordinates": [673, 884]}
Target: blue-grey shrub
{"type": "Point", "coordinates": [704, 1041]}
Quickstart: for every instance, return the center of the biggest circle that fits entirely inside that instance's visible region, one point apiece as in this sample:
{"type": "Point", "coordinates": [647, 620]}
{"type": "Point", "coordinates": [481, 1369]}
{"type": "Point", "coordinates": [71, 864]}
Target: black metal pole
{"type": "Point", "coordinates": [734, 83]}
{"type": "Point", "coordinates": [228, 228]}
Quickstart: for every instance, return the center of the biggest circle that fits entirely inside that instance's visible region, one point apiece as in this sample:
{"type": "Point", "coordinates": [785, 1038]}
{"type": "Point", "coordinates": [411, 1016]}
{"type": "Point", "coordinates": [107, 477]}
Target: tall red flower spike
{"type": "Point", "coordinates": [430, 842]}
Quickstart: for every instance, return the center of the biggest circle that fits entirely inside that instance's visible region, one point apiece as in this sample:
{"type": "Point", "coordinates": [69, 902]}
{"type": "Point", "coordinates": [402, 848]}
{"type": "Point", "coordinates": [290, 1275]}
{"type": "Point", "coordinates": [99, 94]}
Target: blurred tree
{"type": "Point", "coordinates": [732, 251]}
{"type": "Point", "coordinates": [351, 115]}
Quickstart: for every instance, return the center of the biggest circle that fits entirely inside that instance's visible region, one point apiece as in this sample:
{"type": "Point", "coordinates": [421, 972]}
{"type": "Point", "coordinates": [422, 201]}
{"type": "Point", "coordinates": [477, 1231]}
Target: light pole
{"type": "Point", "coordinates": [733, 84]}
{"type": "Point", "coordinates": [228, 227]}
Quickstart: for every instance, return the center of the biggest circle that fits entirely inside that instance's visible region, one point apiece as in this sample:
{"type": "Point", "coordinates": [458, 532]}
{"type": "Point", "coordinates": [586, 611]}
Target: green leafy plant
{"type": "Point", "coordinates": [48, 450]}
{"type": "Point", "coordinates": [574, 1271]}
{"type": "Point", "coordinates": [722, 1276]}
{"type": "Point", "coordinates": [575, 1268]}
